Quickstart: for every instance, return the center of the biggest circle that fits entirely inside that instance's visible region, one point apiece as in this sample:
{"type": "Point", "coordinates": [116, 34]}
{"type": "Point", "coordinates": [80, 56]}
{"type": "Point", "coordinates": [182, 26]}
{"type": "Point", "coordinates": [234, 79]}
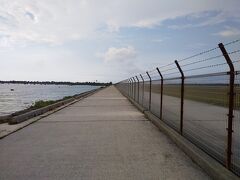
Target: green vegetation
{"type": "Point", "coordinates": [67, 97]}
{"type": "Point", "coordinates": [211, 94]}
{"type": "Point", "coordinates": [42, 103]}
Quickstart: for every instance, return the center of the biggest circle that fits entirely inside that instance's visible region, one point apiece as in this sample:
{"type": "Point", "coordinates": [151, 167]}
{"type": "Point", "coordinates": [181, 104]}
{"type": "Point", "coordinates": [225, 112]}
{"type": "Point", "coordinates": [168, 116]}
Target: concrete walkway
{"type": "Point", "coordinates": [205, 124]}
{"type": "Point", "coordinates": [101, 137]}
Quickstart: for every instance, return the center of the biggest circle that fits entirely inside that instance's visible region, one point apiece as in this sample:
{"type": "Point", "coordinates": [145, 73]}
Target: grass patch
{"type": "Point", "coordinates": [210, 94]}
{"type": "Point", "coordinates": [42, 103]}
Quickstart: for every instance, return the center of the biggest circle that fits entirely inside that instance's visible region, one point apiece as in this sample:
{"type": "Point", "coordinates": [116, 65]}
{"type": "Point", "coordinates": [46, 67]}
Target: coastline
{"type": "Point", "coordinates": [39, 107]}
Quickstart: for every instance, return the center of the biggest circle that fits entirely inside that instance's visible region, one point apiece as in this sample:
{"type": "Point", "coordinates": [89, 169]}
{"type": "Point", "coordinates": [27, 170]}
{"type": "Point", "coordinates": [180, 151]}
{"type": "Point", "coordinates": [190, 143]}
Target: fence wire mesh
{"type": "Point", "coordinates": [236, 128]}
{"type": "Point", "coordinates": [205, 110]}
{"type": "Point", "coordinates": [197, 102]}
{"type": "Point", "coordinates": [171, 102]}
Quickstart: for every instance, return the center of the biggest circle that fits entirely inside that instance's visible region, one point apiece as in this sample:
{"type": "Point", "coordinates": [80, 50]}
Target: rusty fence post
{"type": "Point", "coordinates": [142, 88]}
{"type": "Point", "coordinates": [182, 95]}
{"type": "Point", "coordinates": [230, 105]}
{"type": "Point", "coordinates": [137, 88]}
{"type": "Point", "coordinates": [161, 92]}
{"type": "Point", "coordinates": [150, 91]}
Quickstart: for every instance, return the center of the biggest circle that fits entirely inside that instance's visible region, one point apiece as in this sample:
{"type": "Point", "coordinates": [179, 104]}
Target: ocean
{"type": "Point", "coordinates": [16, 97]}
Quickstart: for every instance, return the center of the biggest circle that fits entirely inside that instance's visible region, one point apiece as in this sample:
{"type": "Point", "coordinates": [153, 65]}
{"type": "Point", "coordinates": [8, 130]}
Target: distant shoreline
{"type": "Point", "coordinates": [56, 83]}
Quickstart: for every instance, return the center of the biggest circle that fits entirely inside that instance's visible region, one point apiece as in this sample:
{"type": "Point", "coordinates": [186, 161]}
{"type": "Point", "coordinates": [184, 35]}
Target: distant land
{"type": "Point", "coordinates": [56, 83]}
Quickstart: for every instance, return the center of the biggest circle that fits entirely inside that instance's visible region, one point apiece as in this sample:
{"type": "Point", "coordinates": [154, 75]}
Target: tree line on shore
{"type": "Point", "coordinates": [56, 83]}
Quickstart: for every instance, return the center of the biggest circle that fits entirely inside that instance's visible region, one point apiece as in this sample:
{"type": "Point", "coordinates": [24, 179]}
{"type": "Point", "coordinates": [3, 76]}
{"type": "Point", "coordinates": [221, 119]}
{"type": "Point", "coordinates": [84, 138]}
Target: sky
{"type": "Point", "coordinates": [107, 40]}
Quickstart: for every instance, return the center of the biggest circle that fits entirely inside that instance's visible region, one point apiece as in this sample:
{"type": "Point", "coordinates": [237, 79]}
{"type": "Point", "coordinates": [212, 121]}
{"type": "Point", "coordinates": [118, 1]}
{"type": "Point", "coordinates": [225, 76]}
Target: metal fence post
{"type": "Point", "coordinates": [161, 93]}
{"type": "Point", "coordinates": [128, 87]}
{"type": "Point", "coordinates": [142, 88]}
{"type": "Point", "coordinates": [150, 91]}
{"type": "Point", "coordinates": [134, 89]}
{"type": "Point", "coordinates": [230, 105]}
{"type": "Point", "coordinates": [137, 87]}
{"type": "Point", "coordinates": [182, 95]}
{"type": "Point", "coordinates": [131, 87]}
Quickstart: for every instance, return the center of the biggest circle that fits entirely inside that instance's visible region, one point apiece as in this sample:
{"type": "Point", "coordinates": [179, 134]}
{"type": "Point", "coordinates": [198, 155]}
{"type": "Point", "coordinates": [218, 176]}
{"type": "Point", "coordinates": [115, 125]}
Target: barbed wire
{"type": "Point", "coordinates": [232, 42]}
{"type": "Point", "coordinates": [235, 61]}
{"type": "Point", "coordinates": [153, 72]}
{"type": "Point", "coordinates": [177, 72]}
{"type": "Point", "coordinates": [207, 51]}
{"type": "Point", "coordinates": [203, 60]}
{"type": "Point", "coordinates": [233, 52]}
{"type": "Point", "coordinates": [145, 76]}
{"type": "Point", "coordinates": [198, 54]}
{"type": "Point", "coordinates": [150, 71]}
{"type": "Point", "coordinates": [169, 69]}
{"type": "Point", "coordinates": [203, 67]}
{"type": "Point", "coordinates": [155, 77]}
{"type": "Point", "coordinates": [166, 65]}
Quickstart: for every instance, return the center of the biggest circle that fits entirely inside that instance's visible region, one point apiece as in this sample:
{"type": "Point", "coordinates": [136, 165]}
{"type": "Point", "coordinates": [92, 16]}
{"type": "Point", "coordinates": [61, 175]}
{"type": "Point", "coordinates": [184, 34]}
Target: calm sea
{"type": "Point", "coordinates": [24, 96]}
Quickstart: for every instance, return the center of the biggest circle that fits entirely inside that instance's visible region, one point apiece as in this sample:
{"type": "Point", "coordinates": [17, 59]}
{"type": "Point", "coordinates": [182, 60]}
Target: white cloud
{"type": "Point", "coordinates": [229, 32]}
{"type": "Point", "coordinates": [119, 54]}
{"type": "Point", "coordinates": [54, 21]}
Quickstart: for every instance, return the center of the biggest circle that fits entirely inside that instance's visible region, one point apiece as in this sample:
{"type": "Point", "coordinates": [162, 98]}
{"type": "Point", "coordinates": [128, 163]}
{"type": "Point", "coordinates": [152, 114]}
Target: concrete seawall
{"type": "Point", "coordinates": [15, 119]}
{"type": "Point", "coordinates": [4, 119]}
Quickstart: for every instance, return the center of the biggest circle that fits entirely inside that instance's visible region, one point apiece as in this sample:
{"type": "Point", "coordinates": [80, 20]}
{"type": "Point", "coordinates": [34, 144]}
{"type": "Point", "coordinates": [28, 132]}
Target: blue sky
{"type": "Point", "coordinates": [108, 40]}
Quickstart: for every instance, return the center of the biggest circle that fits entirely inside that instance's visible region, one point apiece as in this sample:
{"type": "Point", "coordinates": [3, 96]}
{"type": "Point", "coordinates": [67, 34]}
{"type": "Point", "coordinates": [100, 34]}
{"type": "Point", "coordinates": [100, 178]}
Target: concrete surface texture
{"type": "Point", "coordinates": [101, 137]}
